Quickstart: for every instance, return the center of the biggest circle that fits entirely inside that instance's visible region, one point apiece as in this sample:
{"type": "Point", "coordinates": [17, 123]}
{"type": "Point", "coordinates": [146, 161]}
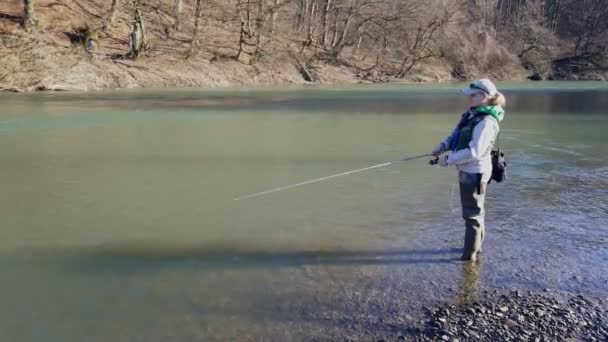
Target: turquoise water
{"type": "Point", "coordinates": [119, 219]}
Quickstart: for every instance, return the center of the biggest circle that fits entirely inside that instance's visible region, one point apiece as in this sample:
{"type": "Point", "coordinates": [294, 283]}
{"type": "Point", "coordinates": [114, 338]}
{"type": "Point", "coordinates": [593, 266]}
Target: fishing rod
{"type": "Point", "coordinates": [257, 194]}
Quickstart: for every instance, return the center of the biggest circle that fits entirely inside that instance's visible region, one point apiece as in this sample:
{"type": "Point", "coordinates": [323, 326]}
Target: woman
{"type": "Point", "coordinates": [470, 146]}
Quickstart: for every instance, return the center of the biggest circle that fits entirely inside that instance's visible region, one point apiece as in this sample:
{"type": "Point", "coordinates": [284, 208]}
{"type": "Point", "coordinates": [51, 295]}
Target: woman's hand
{"type": "Point", "coordinates": [443, 161]}
{"type": "Point", "coordinates": [437, 151]}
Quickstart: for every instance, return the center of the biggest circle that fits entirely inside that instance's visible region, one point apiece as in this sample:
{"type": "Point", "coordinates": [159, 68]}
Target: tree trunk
{"type": "Point", "coordinates": [197, 22]}
{"type": "Point", "coordinates": [275, 14]}
{"type": "Point", "coordinates": [346, 25]}
{"type": "Point", "coordinates": [241, 41]}
{"type": "Point", "coordinates": [29, 21]}
{"type": "Point", "coordinates": [112, 14]}
{"type": "Point", "coordinates": [177, 14]}
{"type": "Point", "coordinates": [303, 16]}
{"type": "Point", "coordinates": [334, 39]}
{"type": "Point", "coordinates": [137, 39]}
{"type": "Point", "coordinates": [358, 44]}
{"type": "Point", "coordinates": [249, 16]}
{"type": "Point", "coordinates": [582, 30]}
{"type": "Point", "coordinates": [259, 25]}
{"type": "Point", "coordinates": [552, 8]}
{"type": "Point", "coordinates": [244, 13]}
{"type": "Point", "coordinates": [311, 22]}
{"type": "Point", "coordinates": [325, 22]}
{"type": "Point", "coordinates": [381, 52]}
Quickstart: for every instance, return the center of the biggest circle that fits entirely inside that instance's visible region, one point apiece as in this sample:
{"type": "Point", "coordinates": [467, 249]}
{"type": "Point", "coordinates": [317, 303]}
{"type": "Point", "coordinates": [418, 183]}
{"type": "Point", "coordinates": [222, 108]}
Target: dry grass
{"type": "Point", "coordinates": [473, 55]}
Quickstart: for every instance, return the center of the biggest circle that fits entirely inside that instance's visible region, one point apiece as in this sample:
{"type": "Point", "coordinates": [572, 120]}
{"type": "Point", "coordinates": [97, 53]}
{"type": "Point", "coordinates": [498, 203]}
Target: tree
{"type": "Point", "coordinates": [552, 13]}
{"type": "Point", "coordinates": [254, 16]}
{"type": "Point", "coordinates": [112, 14]}
{"type": "Point", "coordinates": [325, 27]}
{"type": "Point", "coordinates": [178, 8]}
{"type": "Point", "coordinates": [424, 43]}
{"type": "Point", "coordinates": [532, 39]}
{"type": "Point", "coordinates": [138, 41]}
{"type": "Point", "coordinates": [274, 15]}
{"type": "Point", "coordinates": [197, 20]}
{"type": "Point", "coordinates": [586, 29]}
{"type": "Point", "coordinates": [507, 11]}
{"type": "Point", "coordinates": [244, 10]}
{"type": "Point", "coordinates": [484, 11]}
{"type": "Point", "coordinates": [30, 21]}
{"type": "Point", "coordinates": [589, 25]}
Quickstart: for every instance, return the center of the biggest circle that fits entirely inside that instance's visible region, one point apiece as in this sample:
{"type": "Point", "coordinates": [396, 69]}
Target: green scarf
{"type": "Point", "coordinates": [497, 112]}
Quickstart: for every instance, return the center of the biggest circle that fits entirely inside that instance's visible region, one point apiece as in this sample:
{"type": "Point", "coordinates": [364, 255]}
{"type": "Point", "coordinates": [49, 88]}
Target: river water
{"type": "Point", "coordinates": [119, 221]}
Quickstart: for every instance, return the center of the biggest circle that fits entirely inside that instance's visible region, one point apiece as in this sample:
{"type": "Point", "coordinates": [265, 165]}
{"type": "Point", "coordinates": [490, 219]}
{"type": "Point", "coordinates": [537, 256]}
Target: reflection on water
{"type": "Point", "coordinates": [468, 287]}
{"type": "Point", "coordinates": [119, 222]}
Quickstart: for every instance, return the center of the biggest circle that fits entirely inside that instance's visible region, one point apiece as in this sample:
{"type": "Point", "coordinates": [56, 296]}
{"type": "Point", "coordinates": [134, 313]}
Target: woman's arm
{"type": "Point", "coordinates": [445, 144]}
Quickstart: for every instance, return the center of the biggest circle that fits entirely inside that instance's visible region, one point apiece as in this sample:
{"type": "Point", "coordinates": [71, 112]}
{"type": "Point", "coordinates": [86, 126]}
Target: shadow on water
{"type": "Point", "coordinates": [151, 256]}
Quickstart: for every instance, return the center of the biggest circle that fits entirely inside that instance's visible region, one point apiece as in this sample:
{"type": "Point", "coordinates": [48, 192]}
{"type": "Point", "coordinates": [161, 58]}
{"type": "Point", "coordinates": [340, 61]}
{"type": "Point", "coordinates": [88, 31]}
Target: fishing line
{"type": "Point", "coordinates": [262, 193]}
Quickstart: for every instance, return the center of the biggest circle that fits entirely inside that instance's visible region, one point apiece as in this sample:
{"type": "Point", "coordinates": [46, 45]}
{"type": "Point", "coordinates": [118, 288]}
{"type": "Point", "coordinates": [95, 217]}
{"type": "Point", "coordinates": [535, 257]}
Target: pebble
{"type": "Point", "coordinates": [518, 317]}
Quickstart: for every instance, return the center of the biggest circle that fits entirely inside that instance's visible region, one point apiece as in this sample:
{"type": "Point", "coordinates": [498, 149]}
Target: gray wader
{"type": "Point", "coordinates": [472, 198]}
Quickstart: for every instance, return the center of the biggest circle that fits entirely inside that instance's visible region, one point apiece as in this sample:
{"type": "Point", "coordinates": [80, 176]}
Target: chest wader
{"type": "Point", "coordinates": [472, 193]}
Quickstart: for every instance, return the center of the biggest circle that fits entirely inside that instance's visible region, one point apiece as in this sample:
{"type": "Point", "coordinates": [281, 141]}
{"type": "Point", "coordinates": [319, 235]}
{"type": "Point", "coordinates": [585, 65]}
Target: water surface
{"type": "Point", "coordinates": [119, 221]}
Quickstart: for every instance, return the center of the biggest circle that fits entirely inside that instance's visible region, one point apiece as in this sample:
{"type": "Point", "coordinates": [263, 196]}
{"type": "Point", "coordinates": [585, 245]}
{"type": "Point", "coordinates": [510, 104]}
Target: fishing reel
{"type": "Point", "coordinates": [434, 161]}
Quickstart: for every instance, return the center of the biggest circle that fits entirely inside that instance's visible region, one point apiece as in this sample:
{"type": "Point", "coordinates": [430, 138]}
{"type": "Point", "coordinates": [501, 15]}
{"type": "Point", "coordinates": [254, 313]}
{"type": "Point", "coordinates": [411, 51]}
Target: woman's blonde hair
{"type": "Point", "coordinates": [498, 100]}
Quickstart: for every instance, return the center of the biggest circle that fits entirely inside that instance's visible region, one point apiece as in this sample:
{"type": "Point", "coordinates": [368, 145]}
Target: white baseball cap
{"type": "Point", "coordinates": [483, 85]}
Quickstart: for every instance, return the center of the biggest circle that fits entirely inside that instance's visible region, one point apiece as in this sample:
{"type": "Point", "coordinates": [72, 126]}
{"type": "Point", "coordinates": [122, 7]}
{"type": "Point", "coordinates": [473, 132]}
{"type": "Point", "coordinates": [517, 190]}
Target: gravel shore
{"type": "Point", "coordinates": [515, 316]}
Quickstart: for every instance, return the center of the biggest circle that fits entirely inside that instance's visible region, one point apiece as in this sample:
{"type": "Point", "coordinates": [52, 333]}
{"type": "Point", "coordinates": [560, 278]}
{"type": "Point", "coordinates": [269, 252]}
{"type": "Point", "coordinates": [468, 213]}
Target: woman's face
{"type": "Point", "coordinates": [478, 99]}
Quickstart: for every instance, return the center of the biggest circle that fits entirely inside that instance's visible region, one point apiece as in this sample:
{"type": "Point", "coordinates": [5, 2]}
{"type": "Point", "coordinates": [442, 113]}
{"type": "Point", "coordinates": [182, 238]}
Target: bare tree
{"type": "Point", "coordinates": [138, 41]}
{"type": "Point", "coordinates": [259, 25]}
{"type": "Point", "coordinates": [111, 15]}
{"type": "Point", "coordinates": [274, 14]}
{"type": "Point", "coordinates": [532, 39]}
{"type": "Point", "coordinates": [325, 27]}
{"type": "Point", "coordinates": [30, 21]}
{"type": "Point", "coordinates": [424, 44]}
{"type": "Point", "coordinates": [590, 25]}
{"type": "Point", "coordinates": [255, 17]}
{"type": "Point", "coordinates": [197, 22]}
{"type": "Point", "coordinates": [302, 12]}
{"type": "Point", "coordinates": [311, 23]}
{"type": "Point", "coordinates": [178, 8]}
{"type": "Point", "coordinates": [552, 13]}
{"type": "Point", "coordinates": [484, 11]}
{"type": "Point", "coordinates": [244, 9]}
{"type": "Point", "coordinates": [507, 11]}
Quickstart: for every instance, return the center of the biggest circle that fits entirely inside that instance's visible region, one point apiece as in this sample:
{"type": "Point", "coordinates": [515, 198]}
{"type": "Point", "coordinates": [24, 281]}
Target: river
{"type": "Point", "coordinates": [119, 219]}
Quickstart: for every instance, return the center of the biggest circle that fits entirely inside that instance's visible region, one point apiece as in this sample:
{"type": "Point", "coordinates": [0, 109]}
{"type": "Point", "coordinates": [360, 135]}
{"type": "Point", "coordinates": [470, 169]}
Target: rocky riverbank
{"type": "Point", "coordinates": [515, 316]}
